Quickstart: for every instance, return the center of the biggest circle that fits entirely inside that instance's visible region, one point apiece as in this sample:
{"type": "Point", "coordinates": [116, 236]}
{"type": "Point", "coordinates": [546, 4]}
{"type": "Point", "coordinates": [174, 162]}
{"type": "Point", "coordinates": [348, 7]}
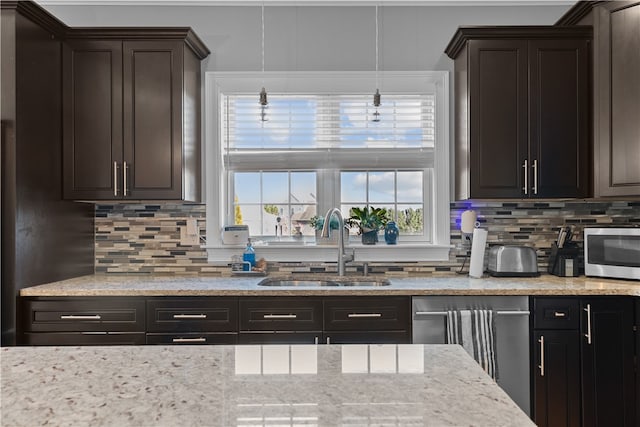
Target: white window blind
{"type": "Point", "coordinates": [328, 131]}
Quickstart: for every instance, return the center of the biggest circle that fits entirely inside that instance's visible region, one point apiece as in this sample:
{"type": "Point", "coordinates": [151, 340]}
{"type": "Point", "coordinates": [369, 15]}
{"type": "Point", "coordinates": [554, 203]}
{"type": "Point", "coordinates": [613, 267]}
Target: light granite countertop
{"type": "Point", "coordinates": [251, 386]}
{"type": "Point", "coordinates": [149, 285]}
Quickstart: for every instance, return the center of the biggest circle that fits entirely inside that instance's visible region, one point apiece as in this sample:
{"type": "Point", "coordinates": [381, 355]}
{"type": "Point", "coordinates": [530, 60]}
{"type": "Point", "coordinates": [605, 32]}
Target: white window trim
{"type": "Point", "coordinates": [217, 83]}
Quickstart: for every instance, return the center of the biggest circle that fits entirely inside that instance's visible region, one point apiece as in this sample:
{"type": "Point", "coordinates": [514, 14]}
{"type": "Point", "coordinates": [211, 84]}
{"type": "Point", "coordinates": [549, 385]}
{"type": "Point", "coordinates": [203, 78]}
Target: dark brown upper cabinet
{"type": "Point", "coordinates": [131, 114]}
{"type": "Point", "coordinates": [522, 112]}
{"type": "Point", "coordinates": [617, 98]}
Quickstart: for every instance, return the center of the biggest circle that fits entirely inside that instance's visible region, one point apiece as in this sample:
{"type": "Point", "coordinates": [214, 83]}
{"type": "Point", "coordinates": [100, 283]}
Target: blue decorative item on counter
{"type": "Point", "coordinates": [249, 256]}
{"type": "Point", "coordinates": [391, 233]}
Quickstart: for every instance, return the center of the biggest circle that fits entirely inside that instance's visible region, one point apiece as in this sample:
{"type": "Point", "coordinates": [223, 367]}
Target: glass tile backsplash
{"type": "Point", "coordinates": [145, 238]}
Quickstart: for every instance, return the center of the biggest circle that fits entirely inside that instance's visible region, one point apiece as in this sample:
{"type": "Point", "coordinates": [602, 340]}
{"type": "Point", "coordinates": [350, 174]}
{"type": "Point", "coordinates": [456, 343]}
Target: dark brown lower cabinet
{"type": "Point", "coordinates": [367, 320]}
{"type": "Point", "coordinates": [608, 366]}
{"type": "Point", "coordinates": [215, 320]}
{"type": "Point", "coordinates": [368, 337]}
{"type": "Point", "coordinates": [584, 361]}
{"type": "Point", "coordinates": [82, 321]}
{"type": "Point", "coordinates": [275, 337]}
{"type": "Point", "coordinates": [193, 338]}
{"type": "Point", "coordinates": [557, 378]}
{"type": "Point", "coordinates": [84, 338]}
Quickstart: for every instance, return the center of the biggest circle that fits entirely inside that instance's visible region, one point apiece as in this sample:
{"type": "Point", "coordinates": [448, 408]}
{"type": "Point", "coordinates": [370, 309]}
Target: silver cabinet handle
{"type": "Point", "coordinates": [279, 316]}
{"type": "Point", "coordinates": [317, 340]}
{"type": "Point", "coordinates": [201, 339]}
{"type": "Point", "coordinates": [125, 190]}
{"type": "Point", "coordinates": [80, 317]}
{"type": "Point", "coordinates": [366, 315]}
{"type": "Point", "coordinates": [115, 178]}
{"type": "Point", "coordinates": [535, 176]}
{"type": "Point", "coordinates": [559, 314]}
{"type": "Point", "coordinates": [541, 365]}
{"type": "Point", "coordinates": [588, 334]}
{"type": "Point", "coordinates": [189, 316]}
{"type": "Point", "coordinates": [525, 166]}
{"type": "Point", "coordinates": [328, 340]}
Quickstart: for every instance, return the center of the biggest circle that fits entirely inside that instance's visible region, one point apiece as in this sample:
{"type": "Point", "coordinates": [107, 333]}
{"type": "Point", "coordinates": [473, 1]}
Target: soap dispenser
{"type": "Point", "coordinates": [249, 255]}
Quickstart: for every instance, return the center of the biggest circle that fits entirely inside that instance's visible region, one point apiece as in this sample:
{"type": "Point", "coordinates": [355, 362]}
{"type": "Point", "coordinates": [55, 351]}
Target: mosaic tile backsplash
{"type": "Point", "coordinates": [145, 238]}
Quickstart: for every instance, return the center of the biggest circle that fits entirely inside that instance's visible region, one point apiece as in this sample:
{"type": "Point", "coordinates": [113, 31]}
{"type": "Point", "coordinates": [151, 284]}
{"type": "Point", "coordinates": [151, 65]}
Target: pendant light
{"type": "Point", "coordinates": [376, 96]}
{"type": "Point", "coordinates": [263, 93]}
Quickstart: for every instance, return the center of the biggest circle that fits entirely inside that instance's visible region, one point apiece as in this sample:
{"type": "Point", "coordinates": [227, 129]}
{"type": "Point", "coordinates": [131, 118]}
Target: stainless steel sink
{"type": "Point", "coordinates": [301, 282]}
{"type": "Point", "coordinates": [337, 281]}
{"type": "Point", "coordinates": [364, 282]}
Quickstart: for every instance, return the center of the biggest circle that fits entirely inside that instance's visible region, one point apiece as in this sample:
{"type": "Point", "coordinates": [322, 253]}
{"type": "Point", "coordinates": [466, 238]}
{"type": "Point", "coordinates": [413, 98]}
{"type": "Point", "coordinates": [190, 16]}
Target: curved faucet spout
{"type": "Point", "coordinates": [326, 232]}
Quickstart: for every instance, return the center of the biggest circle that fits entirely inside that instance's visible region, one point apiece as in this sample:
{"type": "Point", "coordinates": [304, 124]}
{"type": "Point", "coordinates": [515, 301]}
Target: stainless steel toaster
{"type": "Point", "coordinates": [512, 261]}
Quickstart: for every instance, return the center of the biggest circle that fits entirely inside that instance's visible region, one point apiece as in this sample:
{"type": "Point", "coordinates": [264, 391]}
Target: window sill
{"type": "Point", "coordinates": [328, 253]}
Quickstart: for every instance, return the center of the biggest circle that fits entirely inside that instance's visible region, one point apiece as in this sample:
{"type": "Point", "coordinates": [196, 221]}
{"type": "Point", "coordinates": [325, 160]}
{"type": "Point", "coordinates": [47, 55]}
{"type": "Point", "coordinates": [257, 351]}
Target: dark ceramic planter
{"type": "Point", "coordinates": [370, 237]}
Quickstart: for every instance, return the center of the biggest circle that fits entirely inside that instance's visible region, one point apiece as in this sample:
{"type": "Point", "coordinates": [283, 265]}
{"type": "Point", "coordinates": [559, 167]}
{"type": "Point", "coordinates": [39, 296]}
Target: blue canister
{"type": "Point", "coordinates": [391, 233]}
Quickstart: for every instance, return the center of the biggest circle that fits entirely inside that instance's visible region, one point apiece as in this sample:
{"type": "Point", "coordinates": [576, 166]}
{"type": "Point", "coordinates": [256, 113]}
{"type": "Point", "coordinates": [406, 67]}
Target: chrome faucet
{"type": "Point", "coordinates": [326, 232]}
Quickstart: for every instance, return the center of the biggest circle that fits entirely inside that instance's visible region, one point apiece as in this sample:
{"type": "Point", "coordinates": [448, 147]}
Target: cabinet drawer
{"type": "Point", "coordinates": [556, 313]}
{"type": "Point", "coordinates": [192, 314]}
{"type": "Point", "coordinates": [280, 314]}
{"type": "Point", "coordinates": [269, 337]}
{"type": "Point", "coordinates": [373, 337]}
{"type": "Point", "coordinates": [84, 314]}
{"type": "Point", "coordinates": [193, 338]}
{"type": "Point", "coordinates": [84, 338]}
{"type": "Point", "coordinates": [367, 314]}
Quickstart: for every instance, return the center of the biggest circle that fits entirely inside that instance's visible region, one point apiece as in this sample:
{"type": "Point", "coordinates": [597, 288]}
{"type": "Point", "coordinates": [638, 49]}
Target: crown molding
{"type": "Point", "coordinates": [464, 34]}
{"type": "Point", "coordinates": [577, 12]}
{"type": "Point", "coordinates": [450, 3]}
{"type": "Point", "coordinates": [38, 15]}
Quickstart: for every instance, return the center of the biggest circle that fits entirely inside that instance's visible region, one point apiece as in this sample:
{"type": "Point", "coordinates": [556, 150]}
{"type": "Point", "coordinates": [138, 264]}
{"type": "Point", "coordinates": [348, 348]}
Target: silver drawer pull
{"type": "Point", "coordinates": [201, 339]}
{"type": "Point", "coordinates": [541, 365]}
{"type": "Point", "coordinates": [279, 316]}
{"type": "Point", "coordinates": [352, 315]}
{"type": "Point", "coordinates": [80, 317]}
{"type": "Point", "coordinates": [115, 178]}
{"type": "Point", "coordinates": [588, 334]}
{"type": "Point", "coordinates": [189, 316]}
{"type": "Point", "coordinates": [559, 314]}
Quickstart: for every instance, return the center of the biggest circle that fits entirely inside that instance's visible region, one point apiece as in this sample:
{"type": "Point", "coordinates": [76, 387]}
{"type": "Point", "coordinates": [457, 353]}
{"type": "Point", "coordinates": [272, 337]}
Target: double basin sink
{"type": "Point", "coordinates": [334, 282]}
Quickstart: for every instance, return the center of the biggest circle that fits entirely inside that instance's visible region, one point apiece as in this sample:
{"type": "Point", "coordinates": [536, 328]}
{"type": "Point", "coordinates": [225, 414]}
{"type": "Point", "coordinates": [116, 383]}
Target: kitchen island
{"type": "Point", "coordinates": [251, 385]}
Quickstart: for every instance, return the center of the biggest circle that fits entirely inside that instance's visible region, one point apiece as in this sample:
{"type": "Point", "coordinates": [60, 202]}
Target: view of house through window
{"type": "Point", "coordinates": [288, 163]}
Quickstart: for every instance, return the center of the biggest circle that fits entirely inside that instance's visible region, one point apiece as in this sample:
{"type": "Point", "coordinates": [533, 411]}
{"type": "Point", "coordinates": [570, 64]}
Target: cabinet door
{"type": "Point", "coordinates": [559, 118]}
{"type": "Point", "coordinates": [152, 130]}
{"type": "Point", "coordinates": [608, 362]}
{"type": "Point", "coordinates": [92, 119]}
{"type": "Point", "coordinates": [557, 378]}
{"type": "Point", "coordinates": [617, 98]}
{"type": "Point", "coordinates": [498, 117]}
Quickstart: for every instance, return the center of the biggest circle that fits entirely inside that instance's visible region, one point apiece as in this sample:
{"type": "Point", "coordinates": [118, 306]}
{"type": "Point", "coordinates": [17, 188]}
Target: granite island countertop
{"type": "Point", "coordinates": [251, 385]}
{"type": "Point", "coordinates": [150, 285]}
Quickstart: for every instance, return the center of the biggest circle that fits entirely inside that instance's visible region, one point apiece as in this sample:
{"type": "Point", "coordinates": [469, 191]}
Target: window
{"type": "Point", "coordinates": [321, 143]}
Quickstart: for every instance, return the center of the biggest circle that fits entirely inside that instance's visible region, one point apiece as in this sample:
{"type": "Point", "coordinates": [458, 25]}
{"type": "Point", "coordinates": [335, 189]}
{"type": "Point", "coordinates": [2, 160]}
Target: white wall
{"type": "Point", "coordinates": [316, 38]}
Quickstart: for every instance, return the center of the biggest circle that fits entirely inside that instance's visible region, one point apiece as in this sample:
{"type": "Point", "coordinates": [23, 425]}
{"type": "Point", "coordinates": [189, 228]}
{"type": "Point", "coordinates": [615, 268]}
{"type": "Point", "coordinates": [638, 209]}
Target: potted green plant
{"type": "Point", "coordinates": [369, 221]}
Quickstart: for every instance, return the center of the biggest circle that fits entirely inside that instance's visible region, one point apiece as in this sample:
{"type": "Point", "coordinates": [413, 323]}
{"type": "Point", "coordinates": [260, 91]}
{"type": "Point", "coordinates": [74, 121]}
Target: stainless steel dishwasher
{"type": "Point", "coordinates": [512, 334]}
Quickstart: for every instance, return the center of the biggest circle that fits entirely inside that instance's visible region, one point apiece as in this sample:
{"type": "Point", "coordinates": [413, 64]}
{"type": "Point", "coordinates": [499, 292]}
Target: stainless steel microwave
{"type": "Point", "coordinates": [612, 252]}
